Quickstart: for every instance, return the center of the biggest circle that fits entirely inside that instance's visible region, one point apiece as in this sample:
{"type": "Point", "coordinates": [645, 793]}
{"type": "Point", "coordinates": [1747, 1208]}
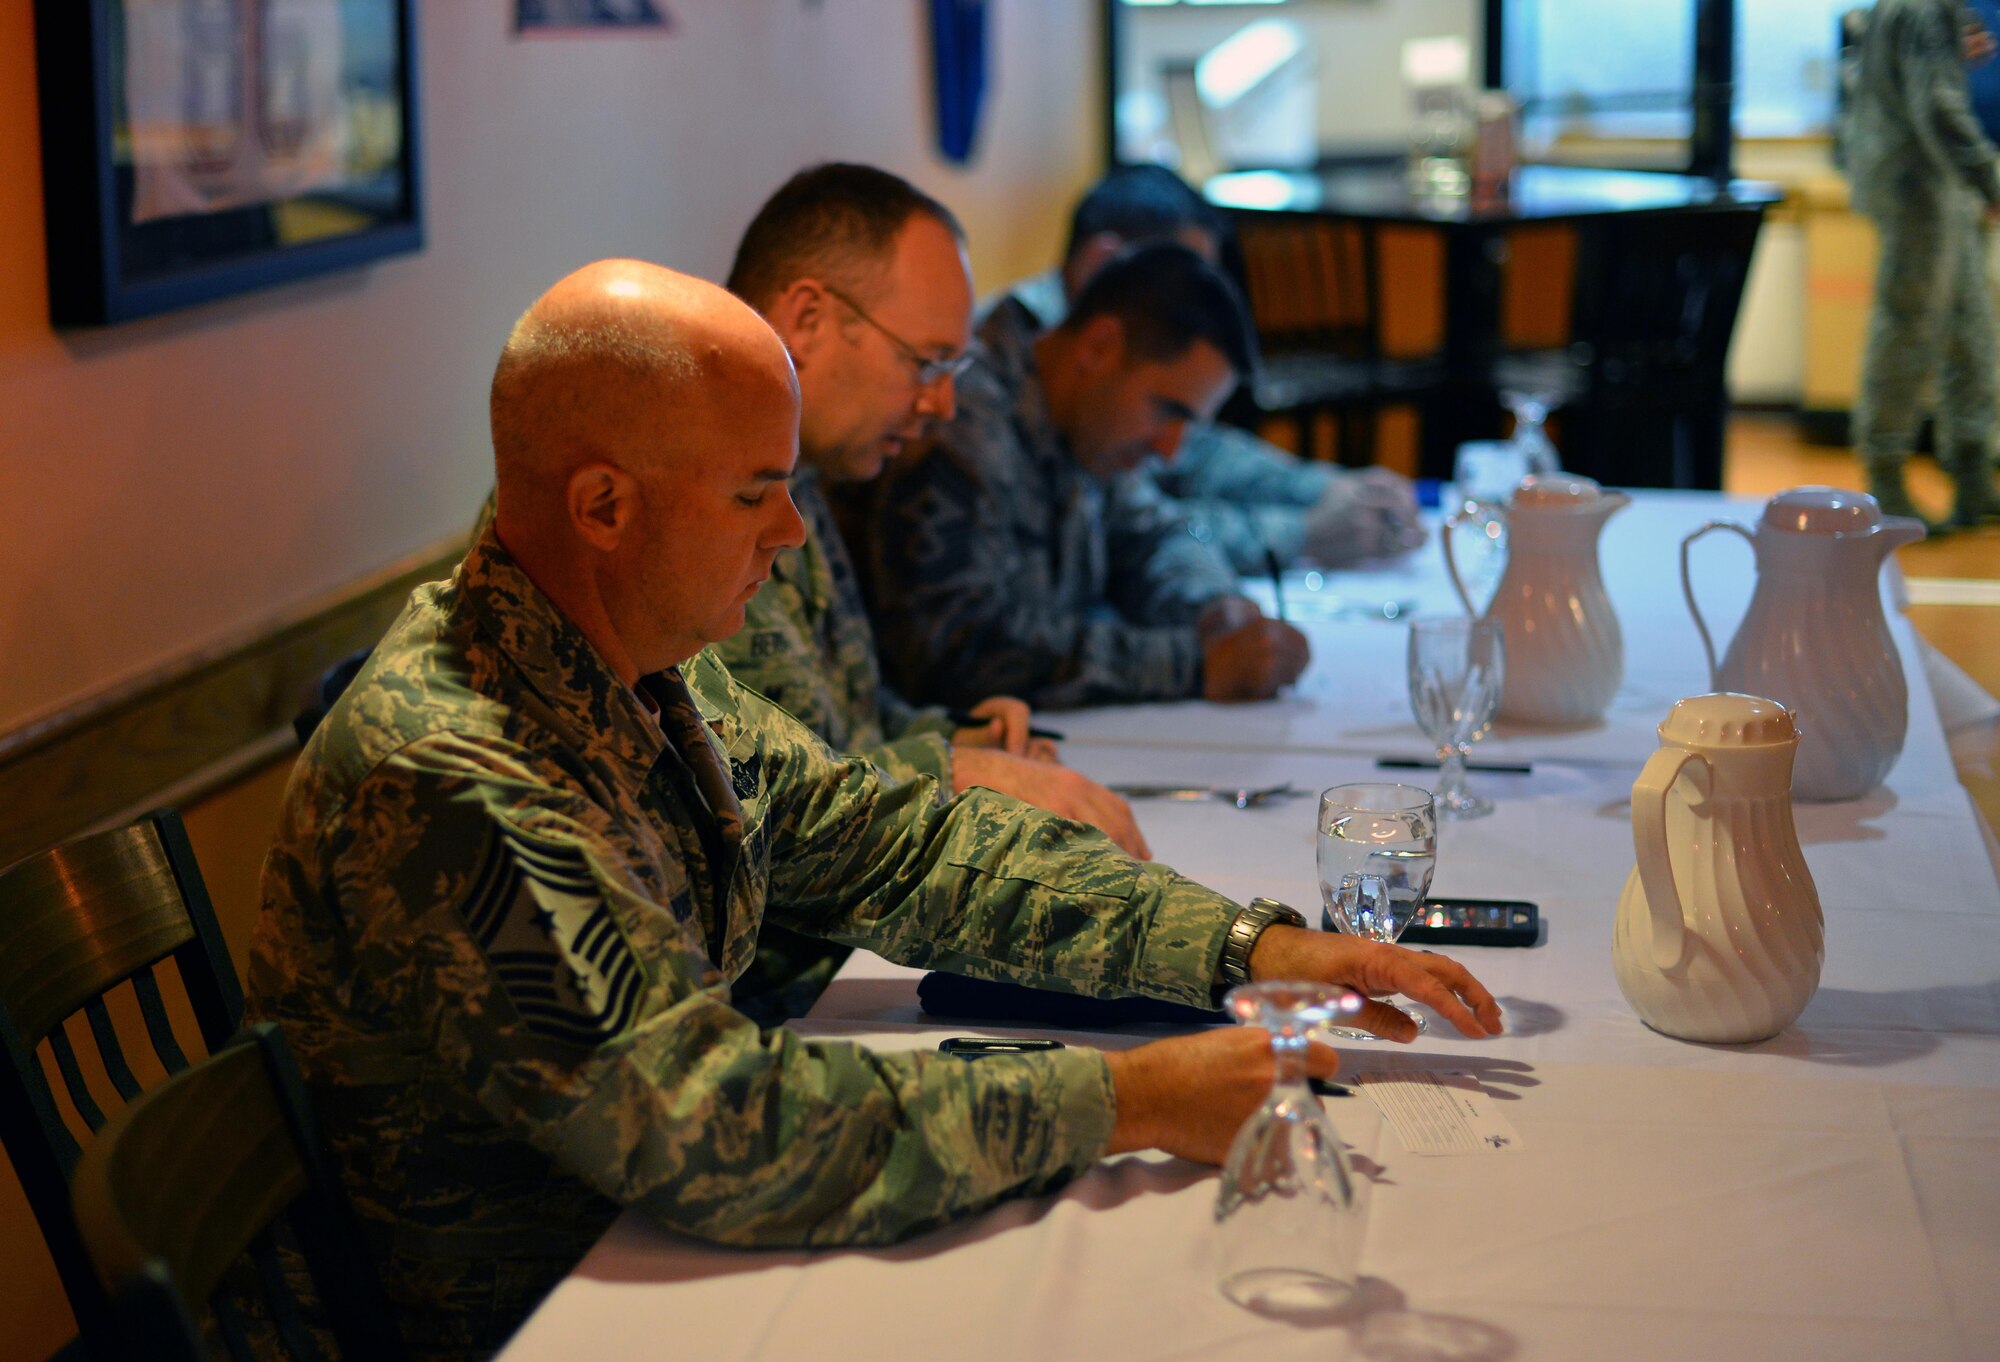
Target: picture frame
{"type": "Point", "coordinates": [195, 149]}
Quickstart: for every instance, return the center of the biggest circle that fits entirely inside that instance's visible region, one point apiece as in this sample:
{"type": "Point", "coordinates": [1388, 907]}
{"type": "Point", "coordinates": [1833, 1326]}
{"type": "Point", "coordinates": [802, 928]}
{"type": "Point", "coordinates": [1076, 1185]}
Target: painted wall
{"type": "Point", "coordinates": [169, 483]}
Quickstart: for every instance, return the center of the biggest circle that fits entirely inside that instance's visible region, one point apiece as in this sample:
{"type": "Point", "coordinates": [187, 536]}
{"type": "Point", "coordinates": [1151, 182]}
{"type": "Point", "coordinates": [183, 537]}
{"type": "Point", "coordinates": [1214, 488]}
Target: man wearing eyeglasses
{"type": "Point", "coordinates": [864, 279]}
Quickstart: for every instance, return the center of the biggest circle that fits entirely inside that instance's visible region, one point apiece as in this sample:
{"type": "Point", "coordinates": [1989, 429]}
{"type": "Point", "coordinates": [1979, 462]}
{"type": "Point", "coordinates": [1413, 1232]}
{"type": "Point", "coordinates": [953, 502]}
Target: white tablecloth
{"type": "Point", "coordinates": [1830, 1193]}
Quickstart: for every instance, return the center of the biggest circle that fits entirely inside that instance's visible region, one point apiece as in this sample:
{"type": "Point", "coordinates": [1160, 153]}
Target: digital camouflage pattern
{"type": "Point", "coordinates": [502, 916]}
{"type": "Point", "coordinates": [806, 646]}
{"type": "Point", "coordinates": [1925, 172]}
{"type": "Point", "coordinates": [1239, 492]}
{"type": "Point", "coordinates": [994, 564]}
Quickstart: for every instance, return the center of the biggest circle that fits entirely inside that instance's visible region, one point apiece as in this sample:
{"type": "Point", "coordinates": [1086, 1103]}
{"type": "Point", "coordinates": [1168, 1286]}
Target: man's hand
{"type": "Point", "coordinates": [1370, 967]}
{"type": "Point", "coordinates": [1188, 1095]}
{"type": "Point", "coordinates": [1370, 513]}
{"type": "Point", "coordinates": [1977, 43]}
{"type": "Point", "coordinates": [1251, 661]}
{"type": "Point", "coordinates": [1006, 727]}
{"type": "Point", "coordinates": [1055, 788]}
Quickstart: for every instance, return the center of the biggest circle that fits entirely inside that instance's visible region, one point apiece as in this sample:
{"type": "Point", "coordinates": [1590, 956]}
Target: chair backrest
{"type": "Point", "coordinates": [220, 1164]}
{"type": "Point", "coordinates": [75, 923]}
{"type": "Point", "coordinates": [1311, 283]}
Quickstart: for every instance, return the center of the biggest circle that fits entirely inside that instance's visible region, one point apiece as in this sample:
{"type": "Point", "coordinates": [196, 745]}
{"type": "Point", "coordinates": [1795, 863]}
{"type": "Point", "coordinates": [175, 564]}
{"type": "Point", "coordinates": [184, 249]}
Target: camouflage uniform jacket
{"type": "Point", "coordinates": [1239, 492]}
{"type": "Point", "coordinates": [1911, 134]}
{"type": "Point", "coordinates": [499, 925]}
{"type": "Point", "coordinates": [806, 646]}
{"type": "Point", "coordinates": [994, 564]}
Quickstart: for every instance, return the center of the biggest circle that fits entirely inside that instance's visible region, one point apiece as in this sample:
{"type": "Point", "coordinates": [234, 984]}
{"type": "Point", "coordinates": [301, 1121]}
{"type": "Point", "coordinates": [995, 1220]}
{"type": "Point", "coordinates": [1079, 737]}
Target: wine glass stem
{"type": "Point", "coordinates": [1288, 1054]}
{"type": "Point", "coordinates": [1451, 774]}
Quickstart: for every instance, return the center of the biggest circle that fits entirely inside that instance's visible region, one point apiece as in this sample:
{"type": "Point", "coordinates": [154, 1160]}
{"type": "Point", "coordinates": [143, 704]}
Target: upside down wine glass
{"type": "Point", "coordinates": [1377, 850]}
{"type": "Point", "coordinates": [1288, 1222]}
{"type": "Point", "coordinates": [1456, 669]}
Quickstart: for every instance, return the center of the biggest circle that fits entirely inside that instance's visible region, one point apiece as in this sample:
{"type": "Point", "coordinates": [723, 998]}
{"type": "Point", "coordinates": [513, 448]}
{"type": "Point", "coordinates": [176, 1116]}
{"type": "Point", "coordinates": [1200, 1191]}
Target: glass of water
{"type": "Point", "coordinates": [1377, 850]}
{"type": "Point", "coordinates": [1456, 668]}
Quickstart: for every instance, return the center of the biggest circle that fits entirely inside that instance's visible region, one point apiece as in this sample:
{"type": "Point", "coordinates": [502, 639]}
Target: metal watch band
{"type": "Point", "coordinates": [1234, 967]}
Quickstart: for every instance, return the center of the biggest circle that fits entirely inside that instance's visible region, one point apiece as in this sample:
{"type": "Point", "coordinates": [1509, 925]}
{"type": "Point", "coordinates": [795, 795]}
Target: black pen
{"type": "Point", "coordinates": [1504, 768]}
{"type": "Point", "coordinates": [1277, 579]}
{"type": "Point", "coordinates": [1328, 1088]}
{"type": "Point", "coordinates": [965, 718]}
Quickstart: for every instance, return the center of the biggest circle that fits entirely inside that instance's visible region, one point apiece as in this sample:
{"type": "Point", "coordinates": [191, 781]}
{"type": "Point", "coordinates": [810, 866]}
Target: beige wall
{"type": "Point", "coordinates": [175, 481]}
{"type": "Point", "coordinates": [170, 482]}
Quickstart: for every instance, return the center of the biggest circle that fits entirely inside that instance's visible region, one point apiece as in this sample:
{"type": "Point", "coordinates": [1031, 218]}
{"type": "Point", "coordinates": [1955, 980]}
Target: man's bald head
{"type": "Point", "coordinates": [644, 426]}
{"type": "Point", "coordinates": [627, 363]}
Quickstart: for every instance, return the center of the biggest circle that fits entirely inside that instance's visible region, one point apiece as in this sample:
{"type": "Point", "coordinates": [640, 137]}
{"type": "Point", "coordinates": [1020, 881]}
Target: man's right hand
{"type": "Point", "coordinates": [1047, 786]}
{"type": "Point", "coordinates": [1251, 661]}
{"type": "Point", "coordinates": [1188, 1095]}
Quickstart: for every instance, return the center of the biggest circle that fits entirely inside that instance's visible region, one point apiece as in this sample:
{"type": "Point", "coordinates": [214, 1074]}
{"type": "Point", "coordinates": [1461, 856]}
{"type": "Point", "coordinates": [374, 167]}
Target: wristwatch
{"type": "Point", "coordinates": [1234, 967]}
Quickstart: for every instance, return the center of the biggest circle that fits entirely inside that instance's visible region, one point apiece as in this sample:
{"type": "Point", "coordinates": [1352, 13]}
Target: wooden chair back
{"type": "Point", "coordinates": [75, 923]}
{"type": "Point", "coordinates": [187, 1195]}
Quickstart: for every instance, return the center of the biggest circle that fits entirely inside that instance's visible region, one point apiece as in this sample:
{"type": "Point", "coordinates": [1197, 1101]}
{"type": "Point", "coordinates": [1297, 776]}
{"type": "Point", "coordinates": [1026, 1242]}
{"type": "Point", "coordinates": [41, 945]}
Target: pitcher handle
{"type": "Point", "coordinates": [1452, 522]}
{"type": "Point", "coordinates": [1687, 591]}
{"type": "Point", "coordinates": [1656, 867]}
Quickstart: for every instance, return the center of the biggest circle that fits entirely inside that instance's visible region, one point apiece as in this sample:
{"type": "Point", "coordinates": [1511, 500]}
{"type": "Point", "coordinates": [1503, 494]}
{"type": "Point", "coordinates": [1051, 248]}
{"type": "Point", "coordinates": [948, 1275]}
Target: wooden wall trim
{"type": "Point", "coordinates": [196, 721]}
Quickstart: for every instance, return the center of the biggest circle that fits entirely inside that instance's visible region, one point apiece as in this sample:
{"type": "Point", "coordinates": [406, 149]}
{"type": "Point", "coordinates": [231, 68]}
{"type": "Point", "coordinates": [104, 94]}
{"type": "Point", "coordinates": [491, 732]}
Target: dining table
{"type": "Point", "coordinates": [1828, 1193]}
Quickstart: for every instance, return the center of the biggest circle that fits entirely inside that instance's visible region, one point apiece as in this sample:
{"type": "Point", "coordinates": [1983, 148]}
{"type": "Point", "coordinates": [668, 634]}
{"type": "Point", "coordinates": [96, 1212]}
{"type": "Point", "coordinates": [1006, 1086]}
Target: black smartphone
{"type": "Point", "coordinates": [1468, 922]}
{"type": "Point", "coordinates": [978, 1047]}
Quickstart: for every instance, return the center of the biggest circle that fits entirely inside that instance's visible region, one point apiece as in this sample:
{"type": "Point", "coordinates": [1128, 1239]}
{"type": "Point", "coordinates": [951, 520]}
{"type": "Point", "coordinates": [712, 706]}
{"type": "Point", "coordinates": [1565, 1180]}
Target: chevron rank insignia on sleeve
{"type": "Point", "coordinates": [537, 913]}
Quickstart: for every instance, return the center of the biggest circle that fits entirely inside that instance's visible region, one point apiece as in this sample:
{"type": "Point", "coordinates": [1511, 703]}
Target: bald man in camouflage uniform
{"type": "Point", "coordinates": [526, 852]}
{"type": "Point", "coordinates": [1927, 176]}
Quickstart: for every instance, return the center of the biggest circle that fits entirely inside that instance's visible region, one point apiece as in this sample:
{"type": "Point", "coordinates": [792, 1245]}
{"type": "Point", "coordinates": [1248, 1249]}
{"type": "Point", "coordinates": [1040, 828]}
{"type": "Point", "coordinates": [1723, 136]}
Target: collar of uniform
{"type": "Point", "coordinates": [1007, 345]}
{"type": "Point", "coordinates": [553, 655]}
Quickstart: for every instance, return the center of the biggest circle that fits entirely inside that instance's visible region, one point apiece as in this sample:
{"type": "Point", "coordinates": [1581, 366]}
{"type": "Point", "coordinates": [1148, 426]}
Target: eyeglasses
{"type": "Point", "coordinates": [929, 370]}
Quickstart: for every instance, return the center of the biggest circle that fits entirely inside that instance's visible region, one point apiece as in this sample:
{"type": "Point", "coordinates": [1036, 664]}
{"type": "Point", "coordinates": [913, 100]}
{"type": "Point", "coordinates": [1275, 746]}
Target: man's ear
{"type": "Point", "coordinates": [1100, 344]}
{"type": "Point", "coordinates": [802, 315]}
{"type": "Point", "coordinates": [602, 500]}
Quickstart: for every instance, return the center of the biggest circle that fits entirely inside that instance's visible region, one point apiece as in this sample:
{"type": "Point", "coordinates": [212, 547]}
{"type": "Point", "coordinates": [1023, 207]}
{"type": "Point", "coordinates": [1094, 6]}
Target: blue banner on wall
{"type": "Point", "coordinates": [958, 56]}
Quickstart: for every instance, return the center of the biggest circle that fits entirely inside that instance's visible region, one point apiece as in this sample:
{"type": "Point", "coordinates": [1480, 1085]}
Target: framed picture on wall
{"type": "Point", "coordinates": [193, 149]}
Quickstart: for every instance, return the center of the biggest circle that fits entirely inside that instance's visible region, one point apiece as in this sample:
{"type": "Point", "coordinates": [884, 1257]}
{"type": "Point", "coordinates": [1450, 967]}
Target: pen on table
{"type": "Point", "coordinates": [965, 718]}
{"type": "Point", "coordinates": [1505, 768]}
{"type": "Point", "coordinates": [1327, 1088]}
{"type": "Point", "coordinates": [1277, 572]}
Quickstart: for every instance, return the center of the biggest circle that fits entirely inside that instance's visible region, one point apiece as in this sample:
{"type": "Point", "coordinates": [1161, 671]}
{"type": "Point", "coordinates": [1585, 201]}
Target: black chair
{"type": "Point", "coordinates": [191, 1200]}
{"type": "Point", "coordinates": [1313, 286]}
{"type": "Point", "coordinates": [1642, 389]}
{"type": "Point", "coordinates": [325, 691]}
{"type": "Point", "coordinates": [75, 923]}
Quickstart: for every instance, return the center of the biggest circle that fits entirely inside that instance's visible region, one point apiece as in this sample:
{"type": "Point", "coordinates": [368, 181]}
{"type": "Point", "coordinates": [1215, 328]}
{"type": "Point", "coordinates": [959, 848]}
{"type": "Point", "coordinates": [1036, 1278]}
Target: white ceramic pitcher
{"type": "Point", "coordinates": [1719, 935]}
{"type": "Point", "coordinates": [1815, 638]}
{"type": "Point", "coordinates": [1565, 654]}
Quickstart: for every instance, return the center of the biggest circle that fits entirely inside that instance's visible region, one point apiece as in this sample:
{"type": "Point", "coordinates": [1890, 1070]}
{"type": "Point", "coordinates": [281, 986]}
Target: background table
{"type": "Point", "coordinates": [1661, 264]}
{"type": "Point", "coordinates": [1828, 1193]}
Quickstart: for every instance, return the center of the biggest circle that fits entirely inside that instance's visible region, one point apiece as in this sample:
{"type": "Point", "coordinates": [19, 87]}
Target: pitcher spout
{"type": "Point", "coordinates": [1896, 531]}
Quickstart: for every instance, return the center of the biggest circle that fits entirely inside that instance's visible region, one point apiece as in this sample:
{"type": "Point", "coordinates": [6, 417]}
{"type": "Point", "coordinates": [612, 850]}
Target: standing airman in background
{"type": "Point", "coordinates": [1930, 180]}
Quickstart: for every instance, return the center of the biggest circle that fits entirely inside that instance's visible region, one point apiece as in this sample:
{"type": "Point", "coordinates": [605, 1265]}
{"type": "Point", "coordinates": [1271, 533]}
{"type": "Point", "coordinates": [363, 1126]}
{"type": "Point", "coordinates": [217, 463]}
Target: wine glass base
{"type": "Point", "coordinates": [1463, 806]}
{"type": "Point", "coordinates": [1286, 1291]}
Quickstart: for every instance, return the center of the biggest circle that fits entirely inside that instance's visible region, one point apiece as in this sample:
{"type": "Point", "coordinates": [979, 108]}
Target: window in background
{"type": "Point", "coordinates": [1586, 69]}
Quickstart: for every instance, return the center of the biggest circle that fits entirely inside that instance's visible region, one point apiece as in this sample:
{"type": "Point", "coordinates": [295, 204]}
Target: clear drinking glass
{"type": "Point", "coordinates": [1377, 851]}
{"type": "Point", "coordinates": [1288, 1221]}
{"type": "Point", "coordinates": [1456, 669]}
{"type": "Point", "coordinates": [1531, 410]}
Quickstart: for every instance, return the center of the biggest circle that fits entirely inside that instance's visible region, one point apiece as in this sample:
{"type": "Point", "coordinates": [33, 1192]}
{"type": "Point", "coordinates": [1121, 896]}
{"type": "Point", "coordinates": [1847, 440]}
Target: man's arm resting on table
{"type": "Point", "coordinates": [581, 1012]}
